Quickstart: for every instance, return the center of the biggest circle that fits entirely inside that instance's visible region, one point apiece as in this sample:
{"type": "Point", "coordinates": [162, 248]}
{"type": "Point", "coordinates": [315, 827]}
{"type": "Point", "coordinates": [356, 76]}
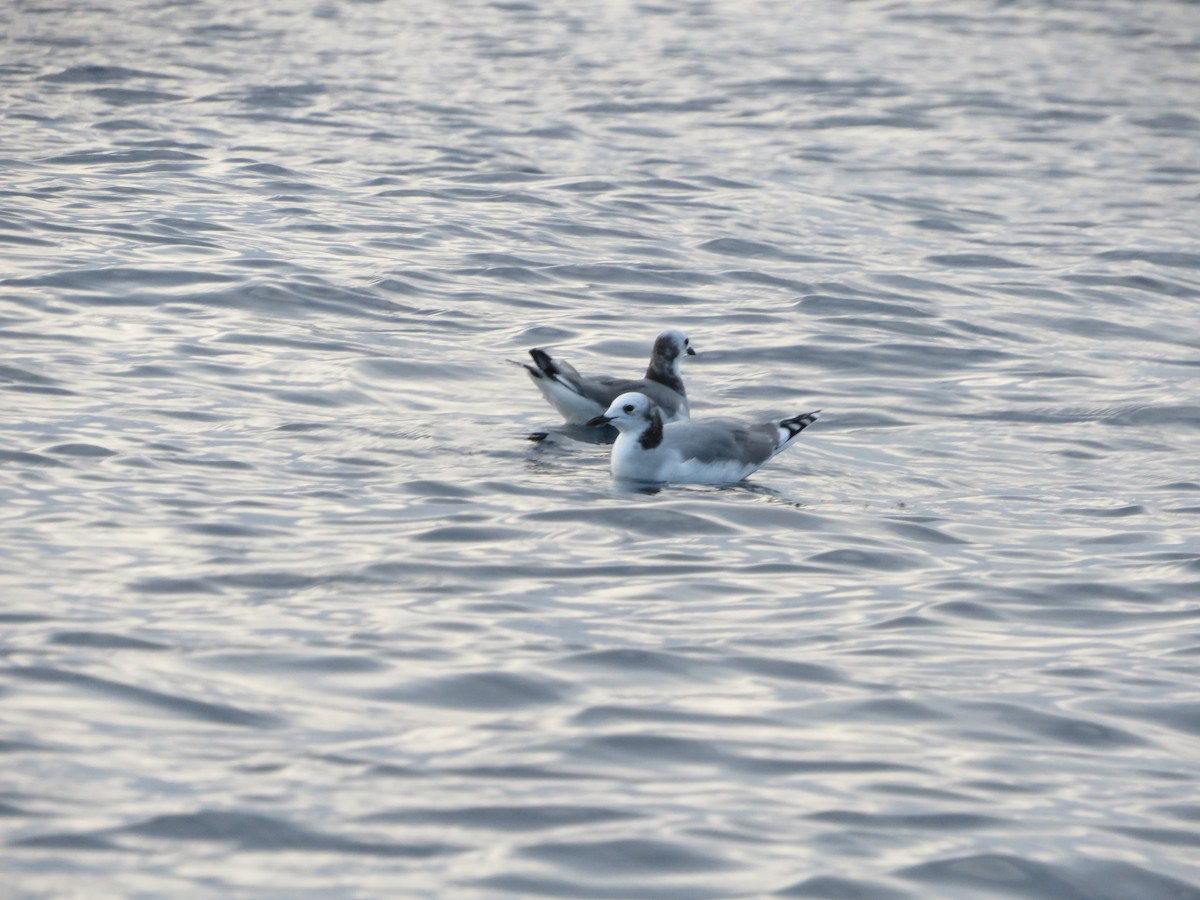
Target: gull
{"type": "Point", "coordinates": [703, 451]}
{"type": "Point", "coordinates": [579, 398]}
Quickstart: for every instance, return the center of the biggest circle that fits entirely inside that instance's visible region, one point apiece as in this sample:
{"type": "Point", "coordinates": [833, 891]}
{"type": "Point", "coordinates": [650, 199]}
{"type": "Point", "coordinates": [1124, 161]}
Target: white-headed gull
{"type": "Point", "coordinates": [579, 398]}
{"type": "Point", "coordinates": [704, 451]}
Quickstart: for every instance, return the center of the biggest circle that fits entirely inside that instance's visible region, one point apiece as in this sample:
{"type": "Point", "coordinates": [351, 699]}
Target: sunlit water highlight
{"type": "Point", "coordinates": [292, 608]}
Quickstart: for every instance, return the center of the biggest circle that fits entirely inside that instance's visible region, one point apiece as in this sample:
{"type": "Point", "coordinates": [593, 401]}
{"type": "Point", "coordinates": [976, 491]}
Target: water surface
{"type": "Point", "coordinates": [292, 608]}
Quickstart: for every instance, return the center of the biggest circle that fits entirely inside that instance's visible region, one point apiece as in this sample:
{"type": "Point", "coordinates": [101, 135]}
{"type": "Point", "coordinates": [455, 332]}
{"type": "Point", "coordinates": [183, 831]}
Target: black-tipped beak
{"type": "Point", "coordinates": [598, 421]}
{"type": "Point", "coordinates": [691, 352]}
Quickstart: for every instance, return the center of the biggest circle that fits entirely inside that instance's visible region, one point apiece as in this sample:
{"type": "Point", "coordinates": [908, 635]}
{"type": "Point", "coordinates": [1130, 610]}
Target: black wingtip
{"type": "Point", "coordinates": [797, 424]}
{"type": "Point", "coordinates": [543, 361]}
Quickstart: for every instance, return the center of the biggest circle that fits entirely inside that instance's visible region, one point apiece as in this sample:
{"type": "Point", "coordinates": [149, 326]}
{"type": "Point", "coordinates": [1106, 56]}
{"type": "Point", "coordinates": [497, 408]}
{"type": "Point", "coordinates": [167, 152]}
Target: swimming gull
{"type": "Point", "coordinates": [579, 398]}
{"type": "Point", "coordinates": [704, 451]}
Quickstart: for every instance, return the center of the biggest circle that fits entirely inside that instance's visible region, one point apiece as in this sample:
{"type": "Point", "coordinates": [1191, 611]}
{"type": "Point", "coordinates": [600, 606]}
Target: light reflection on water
{"type": "Point", "coordinates": [293, 605]}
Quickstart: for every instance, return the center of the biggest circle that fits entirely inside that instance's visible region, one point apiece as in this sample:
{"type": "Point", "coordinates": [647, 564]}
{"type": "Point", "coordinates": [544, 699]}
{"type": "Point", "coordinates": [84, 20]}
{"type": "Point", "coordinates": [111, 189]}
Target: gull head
{"type": "Point", "coordinates": [671, 345]}
{"type": "Point", "coordinates": [629, 412]}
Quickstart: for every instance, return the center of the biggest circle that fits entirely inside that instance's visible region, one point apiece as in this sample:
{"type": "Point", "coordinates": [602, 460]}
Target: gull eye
{"type": "Point", "coordinates": [628, 407]}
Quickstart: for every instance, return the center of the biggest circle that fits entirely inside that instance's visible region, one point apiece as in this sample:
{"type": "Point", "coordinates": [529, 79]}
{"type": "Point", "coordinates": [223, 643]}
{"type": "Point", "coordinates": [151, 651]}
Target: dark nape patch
{"type": "Point", "coordinates": [666, 379]}
{"type": "Point", "coordinates": [653, 435]}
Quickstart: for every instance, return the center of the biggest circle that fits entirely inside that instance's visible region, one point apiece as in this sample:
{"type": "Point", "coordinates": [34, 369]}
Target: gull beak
{"type": "Point", "coordinates": [598, 421]}
{"type": "Point", "coordinates": [691, 352]}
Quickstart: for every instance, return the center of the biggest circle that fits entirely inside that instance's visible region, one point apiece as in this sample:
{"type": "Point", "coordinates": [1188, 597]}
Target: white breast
{"type": "Point", "coordinates": [631, 460]}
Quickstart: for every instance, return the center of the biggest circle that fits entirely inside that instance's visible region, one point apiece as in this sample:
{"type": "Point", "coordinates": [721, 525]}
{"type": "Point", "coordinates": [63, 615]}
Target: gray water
{"type": "Point", "coordinates": [291, 606]}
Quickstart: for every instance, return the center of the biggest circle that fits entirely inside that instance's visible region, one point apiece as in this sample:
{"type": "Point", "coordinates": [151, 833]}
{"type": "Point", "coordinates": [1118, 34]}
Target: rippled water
{"type": "Point", "coordinates": [290, 605]}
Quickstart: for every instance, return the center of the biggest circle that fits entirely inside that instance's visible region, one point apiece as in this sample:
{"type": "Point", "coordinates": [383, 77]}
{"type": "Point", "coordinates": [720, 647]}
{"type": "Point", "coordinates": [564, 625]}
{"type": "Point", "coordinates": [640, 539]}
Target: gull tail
{"type": "Point", "coordinates": [561, 385]}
